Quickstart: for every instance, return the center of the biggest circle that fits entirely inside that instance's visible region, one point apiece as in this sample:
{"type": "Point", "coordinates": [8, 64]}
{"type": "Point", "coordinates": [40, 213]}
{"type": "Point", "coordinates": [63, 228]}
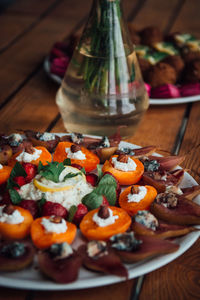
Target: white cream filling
{"type": "Point", "coordinates": [174, 189]}
{"type": "Point", "coordinates": [66, 251]}
{"type": "Point", "coordinates": [27, 157]}
{"type": "Point", "coordinates": [75, 155]}
{"type": "Point", "coordinates": [105, 222]}
{"type": "Point", "coordinates": [15, 139]}
{"type": "Point", "coordinates": [54, 227]}
{"type": "Point", "coordinates": [129, 166]}
{"type": "Point", "coordinates": [14, 218]}
{"type": "Point", "coordinates": [138, 197]}
{"type": "Point", "coordinates": [164, 177]}
{"type": "Point", "coordinates": [46, 136]}
{"type": "Point", "coordinates": [1, 166]}
{"type": "Point", "coordinates": [66, 198]}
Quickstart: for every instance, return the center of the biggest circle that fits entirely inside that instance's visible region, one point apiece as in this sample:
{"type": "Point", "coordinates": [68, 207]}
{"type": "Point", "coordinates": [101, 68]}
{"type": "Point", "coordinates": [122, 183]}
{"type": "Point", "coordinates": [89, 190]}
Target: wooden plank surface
{"type": "Point", "coordinates": [12, 294]}
{"type": "Point", "coordinates": [155, 13]}
{"type": "Point", "coordinates": [120, 291]}
{"type": "Point", "coordinates": [191, 143]}
{"type": "Point", "coordinates": [17, 20]}
{"type": "Point", "coordinates": [28, 53]}
{"type": "Point", "coordinates": [177, 280]}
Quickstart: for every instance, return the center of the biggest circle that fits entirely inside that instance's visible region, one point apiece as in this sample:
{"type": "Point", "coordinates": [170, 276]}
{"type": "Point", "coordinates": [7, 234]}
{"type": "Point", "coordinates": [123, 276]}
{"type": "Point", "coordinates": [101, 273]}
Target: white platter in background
{"type": "Point", "coordinates": [170, 101]}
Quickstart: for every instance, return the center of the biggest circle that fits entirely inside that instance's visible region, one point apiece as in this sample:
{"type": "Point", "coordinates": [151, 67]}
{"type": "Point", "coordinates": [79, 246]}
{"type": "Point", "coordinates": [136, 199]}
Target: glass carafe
{"type": "Point", "coordinates": [103, 88]}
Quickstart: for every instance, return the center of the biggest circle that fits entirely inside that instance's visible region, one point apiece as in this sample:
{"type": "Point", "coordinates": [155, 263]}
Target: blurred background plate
{"type": "Point", "coordinates": [168, 101]}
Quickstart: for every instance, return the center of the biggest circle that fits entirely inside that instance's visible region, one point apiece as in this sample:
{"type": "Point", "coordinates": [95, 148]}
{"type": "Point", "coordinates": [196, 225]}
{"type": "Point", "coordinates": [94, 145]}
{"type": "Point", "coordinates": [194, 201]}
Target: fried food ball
{"type": "Point", "coordinates": [161, 74]}
{"type": "Point", "coordinates": [151, 35]}
{"type": "Point", "coordinates": [190, 56]}
{"type": "Point", "coordinates": [192, 72]}
{"type": "Point", "coordinates": [176, 62]}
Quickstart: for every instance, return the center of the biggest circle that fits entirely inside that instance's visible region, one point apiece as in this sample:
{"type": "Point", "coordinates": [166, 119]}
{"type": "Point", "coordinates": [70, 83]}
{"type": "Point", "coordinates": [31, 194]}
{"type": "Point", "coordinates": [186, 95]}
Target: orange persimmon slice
{"type": "Point", "coordinates": [45, 157]}
{"type": "Point", "coordinates": [94, 232]}
{"type": "Point", "coordinates": [17, 231]}
{"type": "Point", "coordinates": [90, 163]}
{"type": "Point", "coordinates": [43, 239]}
{"type": "Point", "coordinates": [125, 177]}
{"type": "Point", "coordinates": [5, 173]}
{"type": "Point", "coordinates": [144, 204]}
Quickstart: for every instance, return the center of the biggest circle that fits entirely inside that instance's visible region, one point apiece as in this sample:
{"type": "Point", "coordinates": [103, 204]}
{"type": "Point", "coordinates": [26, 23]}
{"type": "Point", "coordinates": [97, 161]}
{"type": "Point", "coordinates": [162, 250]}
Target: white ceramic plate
{"type": "Point", "coordinates": [31, 277]}
{"type": "Point", "coordinates": [168, 101]}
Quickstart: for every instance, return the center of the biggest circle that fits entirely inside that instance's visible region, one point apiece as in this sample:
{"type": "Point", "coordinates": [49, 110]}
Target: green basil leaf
{"type": "Point", "coordinates": [11, 183]}
{"type": "Point", "coordinates": [40, 167]}
{"type": "Point", "coordinates": [41, 202]}
{"type": "Point", "coordinates": [71, 175]}
{"type": "Point", "coordinates": [67, 162]}
{"type": "Point", "coordinates": [99, 172]}
{"type": "Point", "coordinates": [83, 170]}
{"type": "Point", "coordinates": [109, 191]}
{"type": "Point", "coordinates": [18, 170]}
{"type": "Point", "coordinates": [108, 180]}
{"type": "Point", "coordinates": [52, 171]}
{"type": "Point", "coordinates": [72, 211]}
{"type": "Point", "coordinates": [14, 196]}
{"type": "Point", "coordinates": [92, 200]}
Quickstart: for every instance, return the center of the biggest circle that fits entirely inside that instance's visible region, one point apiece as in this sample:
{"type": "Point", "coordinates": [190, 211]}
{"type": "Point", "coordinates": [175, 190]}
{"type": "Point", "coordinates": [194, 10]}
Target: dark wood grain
{"type": "Point", "coordinates": [191, 142]}
{"type": "Point", "coordinates": [155, 13]}
{"type": "Point", "coordinates": [12, 294]}
{"type": "Point", "coordinates": [28, 53]}
{"type": "Point", "coordinates": [179, 279]}
{"type": "Point", "coordinates": [188, 20]}
{"type": "Point", "coordinates": [119, 291]}
{"type": "Point", "coordinates": [18, 20]}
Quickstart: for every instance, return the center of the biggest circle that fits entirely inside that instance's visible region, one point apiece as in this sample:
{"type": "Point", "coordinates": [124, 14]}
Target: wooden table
{"type": "Point", "coordinates": [27, 100]}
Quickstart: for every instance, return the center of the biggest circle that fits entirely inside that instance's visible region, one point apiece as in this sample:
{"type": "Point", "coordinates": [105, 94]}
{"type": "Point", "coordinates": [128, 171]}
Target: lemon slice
{"type": "Point", "coordinates": [50, 188]}
{"type": "Point", "coordinates": [45, 185]}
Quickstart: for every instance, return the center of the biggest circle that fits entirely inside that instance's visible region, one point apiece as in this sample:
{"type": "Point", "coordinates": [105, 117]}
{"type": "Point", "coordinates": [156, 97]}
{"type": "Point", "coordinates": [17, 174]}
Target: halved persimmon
{"type": "Point", "coordinates": [17, 231]}
{"type": "Point", "coordinates": [89, 163]}
{"type": "Point", "coordinates": [125, 177]}
{"type": "Point", "coordinates": [5, 173]}
{"type": "Point", "coordinates": [92, 231]}
{"type": "Point", "coordinates": [45, 157]}
{"type": "Point", "coordinates": [144, 204]}
{"type": "Point", "coordinates": [43, 239]}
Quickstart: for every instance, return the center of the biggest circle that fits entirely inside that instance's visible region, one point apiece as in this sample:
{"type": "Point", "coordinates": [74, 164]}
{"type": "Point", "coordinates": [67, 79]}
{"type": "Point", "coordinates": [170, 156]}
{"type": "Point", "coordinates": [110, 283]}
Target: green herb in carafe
{"type": "Point", "coordinates": [103, 87]}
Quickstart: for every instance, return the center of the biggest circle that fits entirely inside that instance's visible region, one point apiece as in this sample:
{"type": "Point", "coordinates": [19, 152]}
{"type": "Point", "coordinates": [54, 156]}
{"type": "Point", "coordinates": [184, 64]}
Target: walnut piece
{"type": "Point", "coordinates": [75, 148]}
{"type": "Point", "coordinates": [135, 189]}
{"type": "Point", "coordinates": [8, 209]}
{"type": "Point", "coordinates": [168, 200]}
{"type": "Point", "coordinates": [103, 212]}
{"type": "Point", "coordinates": [122, 158]}
{"type": "Point", "coordinates": [56, 219]}
{"type": "Point", "coordinates": [29, 148]}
